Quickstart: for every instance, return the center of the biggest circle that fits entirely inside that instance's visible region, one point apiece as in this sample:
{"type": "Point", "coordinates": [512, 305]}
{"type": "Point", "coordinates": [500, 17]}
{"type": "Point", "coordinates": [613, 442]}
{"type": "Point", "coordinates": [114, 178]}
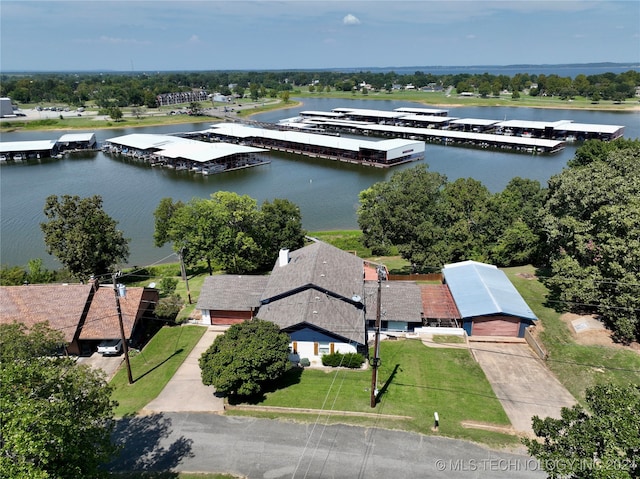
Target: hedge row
{"type": "Point", "coordinates": [347, 360]}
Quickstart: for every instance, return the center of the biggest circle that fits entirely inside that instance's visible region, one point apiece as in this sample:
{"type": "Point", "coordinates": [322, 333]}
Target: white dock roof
{"type": "Point", "coordinates": [24, 146]}
{"type": "Point", "coordinates": [176, 147]}
{"type": "Point", "coordinates": [336, 142]}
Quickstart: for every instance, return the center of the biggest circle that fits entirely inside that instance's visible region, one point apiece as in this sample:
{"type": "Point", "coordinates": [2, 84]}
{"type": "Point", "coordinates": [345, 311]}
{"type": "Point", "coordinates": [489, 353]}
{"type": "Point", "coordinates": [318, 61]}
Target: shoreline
{"type": "Point", "coordinates": [15, 127]}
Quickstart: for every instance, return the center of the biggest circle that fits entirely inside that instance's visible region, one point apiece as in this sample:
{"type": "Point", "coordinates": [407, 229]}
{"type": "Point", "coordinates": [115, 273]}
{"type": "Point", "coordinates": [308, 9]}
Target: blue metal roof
{"type": "Point", "coordinates": [481, 289]}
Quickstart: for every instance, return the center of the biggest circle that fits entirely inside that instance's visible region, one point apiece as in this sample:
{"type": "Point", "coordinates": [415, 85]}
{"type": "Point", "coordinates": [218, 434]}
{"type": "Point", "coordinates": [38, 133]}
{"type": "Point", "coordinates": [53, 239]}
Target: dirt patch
{"type": "Point", "coordinates": [490, 427]}
{"type": "Point", "coordinates": [594, 337]}
{"type": "Point", "coordinates": [526, 275]}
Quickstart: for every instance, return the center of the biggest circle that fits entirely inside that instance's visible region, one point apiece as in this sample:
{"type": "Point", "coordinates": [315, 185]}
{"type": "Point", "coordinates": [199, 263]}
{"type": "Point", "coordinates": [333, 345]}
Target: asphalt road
{"type": "Point", "coordinates": [262, 448]}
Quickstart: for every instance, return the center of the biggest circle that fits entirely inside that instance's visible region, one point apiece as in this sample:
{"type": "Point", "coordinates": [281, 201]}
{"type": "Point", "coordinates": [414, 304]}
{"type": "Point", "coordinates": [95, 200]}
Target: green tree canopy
{"type": "Point", "coordinates": [82, 236]}
{"type": "Point", "coordinates": [229, 230]}
{"type": "Point", "coordinates": [433, 222]}
{"type": "Point", "coordinates": [56, 417]}
{"type": "Point", "coordinates": [602, 442]}
{"type": "Point", "coordinates": [592, 224]}
{"type": "Point", "coordinates": [245, 357]}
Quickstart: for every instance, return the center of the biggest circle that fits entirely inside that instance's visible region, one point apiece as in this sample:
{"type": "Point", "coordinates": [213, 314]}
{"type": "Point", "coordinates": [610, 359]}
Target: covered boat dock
{"type": "Point", "coordinates": [382, 153]}
{"type": "Point", "coordinates": [185, 154]}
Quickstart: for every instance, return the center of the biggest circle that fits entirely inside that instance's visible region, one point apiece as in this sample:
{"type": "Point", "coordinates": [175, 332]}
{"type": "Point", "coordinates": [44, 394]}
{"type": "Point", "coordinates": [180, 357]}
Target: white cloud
{"type": "Point", "coordinates": [120, 41]}
{"type": "Point", "coordinates": [194, 39]}
{"type": "Point", "coordinates": [350, 20]}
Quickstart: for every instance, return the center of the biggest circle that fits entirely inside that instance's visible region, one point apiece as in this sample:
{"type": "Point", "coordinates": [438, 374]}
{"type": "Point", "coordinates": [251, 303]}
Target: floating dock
{"type": "Point", "coordinates": [436, 126]}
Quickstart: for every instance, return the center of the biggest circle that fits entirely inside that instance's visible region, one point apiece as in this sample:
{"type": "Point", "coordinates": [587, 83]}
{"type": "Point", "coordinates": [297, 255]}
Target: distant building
{"type": "Point", "coordinates": [6, 108]}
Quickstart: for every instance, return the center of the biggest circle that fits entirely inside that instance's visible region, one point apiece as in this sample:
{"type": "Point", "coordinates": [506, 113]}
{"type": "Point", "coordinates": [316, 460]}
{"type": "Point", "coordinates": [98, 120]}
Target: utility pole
{"type": "Point", "coordinates": [183, 271]}
{"type": "Point", "coordinates": [375, 363]}
{"type": "Point", "coordinates": [125, 346]}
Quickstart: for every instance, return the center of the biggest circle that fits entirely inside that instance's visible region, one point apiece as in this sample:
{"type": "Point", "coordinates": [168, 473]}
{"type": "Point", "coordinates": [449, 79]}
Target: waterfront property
{"type": "Point", "coordinates": [326, 300]}
{"type": "Point", "coordinates": [183, 153]}
{"type": "Point", "coordinates": [381, 153]}
{"type": "Point", "coordinates": [86, 314]}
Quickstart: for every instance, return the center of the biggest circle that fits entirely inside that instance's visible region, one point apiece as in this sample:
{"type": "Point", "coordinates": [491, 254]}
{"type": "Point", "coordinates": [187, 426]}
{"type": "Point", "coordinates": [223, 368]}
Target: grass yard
{"type": "Point", "coordinates": [414, 381]}
{"type": "Point", "coordinates": [153, 367]}
{"type": "Point", "coordinates": [577, 366]}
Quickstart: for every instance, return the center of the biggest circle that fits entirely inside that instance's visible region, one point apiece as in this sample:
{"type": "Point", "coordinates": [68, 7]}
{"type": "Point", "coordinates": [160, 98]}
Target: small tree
{"type": "Point", "coordinates": [247, 355]}
{"type": "Point", "coordinates": [82, 236]}
{"type": "Point", "coordinates": [601, 443]}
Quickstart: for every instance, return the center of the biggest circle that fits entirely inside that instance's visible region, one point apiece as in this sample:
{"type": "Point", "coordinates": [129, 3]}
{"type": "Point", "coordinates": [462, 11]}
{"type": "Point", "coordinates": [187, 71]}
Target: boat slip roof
{"type": "Point", "coordinates": [24, 146]}
{"type": "Point", "coordinates": [299, 137]}
{"type": "Point", "coordinates": [176, 147]}
{"type": "Point", "coordinates": [482, 289]}
{"type": "Point", "coordinates": [422, 111]}
{"type": "Point", "coordinates": [76, 137]}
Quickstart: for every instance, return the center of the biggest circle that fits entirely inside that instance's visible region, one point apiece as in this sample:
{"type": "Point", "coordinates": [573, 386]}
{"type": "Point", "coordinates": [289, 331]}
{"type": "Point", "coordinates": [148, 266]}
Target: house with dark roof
{"type": "Point", "coordinates": [85, 313]}
{"type": "Point", "coordinates": [315, 294]}
{"type": "Point", "coordinates": [488, 303]}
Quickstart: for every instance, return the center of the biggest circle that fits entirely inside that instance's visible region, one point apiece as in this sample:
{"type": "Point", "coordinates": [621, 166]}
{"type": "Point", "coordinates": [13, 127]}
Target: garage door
{"type": "Point", "coordinates": [496, 326]}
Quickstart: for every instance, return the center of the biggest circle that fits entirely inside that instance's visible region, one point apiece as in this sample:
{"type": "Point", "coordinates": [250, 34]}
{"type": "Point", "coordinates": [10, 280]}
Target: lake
{"type": "Point", "coordinates": [325, 191]}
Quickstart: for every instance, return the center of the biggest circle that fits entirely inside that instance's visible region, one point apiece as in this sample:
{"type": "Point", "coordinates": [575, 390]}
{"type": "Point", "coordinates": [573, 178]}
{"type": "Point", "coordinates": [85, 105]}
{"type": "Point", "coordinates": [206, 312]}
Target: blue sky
{"type": "Point", "coordinates": [162, 35]}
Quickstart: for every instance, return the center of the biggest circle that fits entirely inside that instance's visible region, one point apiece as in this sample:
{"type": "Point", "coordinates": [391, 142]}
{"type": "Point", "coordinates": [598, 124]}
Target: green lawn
{"type": "Point", "coordinates": [153, 367]}
{"type": "Point", "coordinates": [578, 367]}
{"type": "Point", "coordinates": [414, 381]}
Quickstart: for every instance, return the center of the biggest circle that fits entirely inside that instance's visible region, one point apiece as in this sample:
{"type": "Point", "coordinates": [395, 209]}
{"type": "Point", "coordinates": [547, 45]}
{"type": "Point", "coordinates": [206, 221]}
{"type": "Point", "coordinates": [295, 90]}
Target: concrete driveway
{"type": "Point", "coordinates": [185, 391]}
{"type": "Point", "coordinates": [522, 382]}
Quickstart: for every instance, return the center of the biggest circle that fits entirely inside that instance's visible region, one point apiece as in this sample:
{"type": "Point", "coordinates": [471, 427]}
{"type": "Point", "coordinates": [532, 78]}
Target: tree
{"type": "Point", "coordinates": [56, 417]}
{"type": "Point", "coordinates": [82, 236]}
{"type": "Point", "coordinates": [282, 226]}
{"type": "Point", "coordinates": [229, 230]}
{"type": "Point", "coordinates": [245, 357]}
{"type": "Point", "coordinates": [400, 212]}
{"type": "Point", "coordinates": [115, 113]}
{"type": "Point", "coordinates": [603, 442]}
{"type": "Point", "coordinates": [592, 226]}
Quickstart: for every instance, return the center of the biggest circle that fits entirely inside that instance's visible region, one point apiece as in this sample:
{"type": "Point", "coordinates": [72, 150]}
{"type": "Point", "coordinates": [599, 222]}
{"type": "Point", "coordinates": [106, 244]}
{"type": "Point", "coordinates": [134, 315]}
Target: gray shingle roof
{"type": "Point", "coordinates": [400, 300]}
{"type": "Point", "coordinates": [232, 292]}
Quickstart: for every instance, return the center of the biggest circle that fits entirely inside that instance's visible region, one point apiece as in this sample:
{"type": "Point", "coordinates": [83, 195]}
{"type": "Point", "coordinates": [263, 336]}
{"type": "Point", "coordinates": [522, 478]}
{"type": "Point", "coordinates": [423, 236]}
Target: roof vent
{"type": "Point", "coordinates": [283, 257]}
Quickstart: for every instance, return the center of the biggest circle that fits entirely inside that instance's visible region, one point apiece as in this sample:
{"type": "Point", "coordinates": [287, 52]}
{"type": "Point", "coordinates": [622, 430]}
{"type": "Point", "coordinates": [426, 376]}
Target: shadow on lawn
{"type": "Point", "coordinates": [386, 384]}
{"type": "Point", "coordinates": [144, 446]}
{"type": "Point", "coordinates": [175, 353]}
{"type": "Point", "coordinates": [291, 377]}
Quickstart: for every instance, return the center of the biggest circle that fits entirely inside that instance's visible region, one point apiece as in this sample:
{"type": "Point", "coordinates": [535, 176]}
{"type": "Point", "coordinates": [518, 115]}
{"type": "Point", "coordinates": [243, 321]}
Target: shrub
{"type": "Point", "coordinates": [169, 307]}
{"type": "Point", "coordinates": [168, 285]}
{"type": "Point", "coordinates": [348, 360]}
{"type": "Point", "coordinates": [305, 363]}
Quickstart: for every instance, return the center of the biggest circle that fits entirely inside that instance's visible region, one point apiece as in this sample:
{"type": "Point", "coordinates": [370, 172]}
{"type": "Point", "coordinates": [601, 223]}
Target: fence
{"type": "Point", "coordinates": [533, 343]}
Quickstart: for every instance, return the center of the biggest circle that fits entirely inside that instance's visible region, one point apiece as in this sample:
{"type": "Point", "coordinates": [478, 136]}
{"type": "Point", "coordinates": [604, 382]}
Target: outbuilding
{"type": "Point", "coordinates": [488, 302]}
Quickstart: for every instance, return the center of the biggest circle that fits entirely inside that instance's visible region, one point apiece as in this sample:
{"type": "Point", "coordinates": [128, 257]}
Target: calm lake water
{"type": "Point", "coordinates": [327, 192]}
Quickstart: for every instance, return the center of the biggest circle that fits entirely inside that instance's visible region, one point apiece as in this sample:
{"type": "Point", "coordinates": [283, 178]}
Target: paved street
{"type": "Point", "coordinates": [262, 448]}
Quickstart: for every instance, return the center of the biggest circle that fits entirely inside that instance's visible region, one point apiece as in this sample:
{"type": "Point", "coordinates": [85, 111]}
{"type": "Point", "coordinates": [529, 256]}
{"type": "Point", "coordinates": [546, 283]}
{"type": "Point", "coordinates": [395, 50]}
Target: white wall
{"type": "Point", "coordinates": [306, 349]}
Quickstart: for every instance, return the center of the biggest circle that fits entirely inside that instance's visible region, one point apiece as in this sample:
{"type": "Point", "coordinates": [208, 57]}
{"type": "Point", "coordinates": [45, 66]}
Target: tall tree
{"type": "Point", "coordinates": [82, 236]}
{"type": "Point", "coordinates": [282, 227]}
{"type": "Point", "coordinates": [601, 442]}
{"type": "Point", "coordinates": [56, 417]}
{"type": "Point", "coordinates": [401, 212]}
{"type": "Point", "coordinates": [229, 230]}
{"type": "Point", "coordinates": [245, 357]}
{"type": "Point", "coordinates": [592, 225]}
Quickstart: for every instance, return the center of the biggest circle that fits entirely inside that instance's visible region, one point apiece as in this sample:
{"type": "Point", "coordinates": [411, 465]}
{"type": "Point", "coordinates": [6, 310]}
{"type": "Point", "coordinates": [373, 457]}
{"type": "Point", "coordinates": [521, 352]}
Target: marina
{"type": "Point", "coordinates": [326, 191]}
{"type": "Point", "coordinates": [435, 126]}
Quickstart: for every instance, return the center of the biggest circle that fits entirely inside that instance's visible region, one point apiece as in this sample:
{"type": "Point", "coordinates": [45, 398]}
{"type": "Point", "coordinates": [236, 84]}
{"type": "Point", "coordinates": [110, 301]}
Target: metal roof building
{"type": "Point", "coordinates": [382, 153]}
{"type": "Point", "coordinates": [487, 301]}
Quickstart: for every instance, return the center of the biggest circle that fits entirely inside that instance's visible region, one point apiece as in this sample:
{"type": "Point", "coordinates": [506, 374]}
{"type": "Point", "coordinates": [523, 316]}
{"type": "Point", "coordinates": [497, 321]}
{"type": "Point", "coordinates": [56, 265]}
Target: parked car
{"type": "Point", "coordinates": [110, 347]}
